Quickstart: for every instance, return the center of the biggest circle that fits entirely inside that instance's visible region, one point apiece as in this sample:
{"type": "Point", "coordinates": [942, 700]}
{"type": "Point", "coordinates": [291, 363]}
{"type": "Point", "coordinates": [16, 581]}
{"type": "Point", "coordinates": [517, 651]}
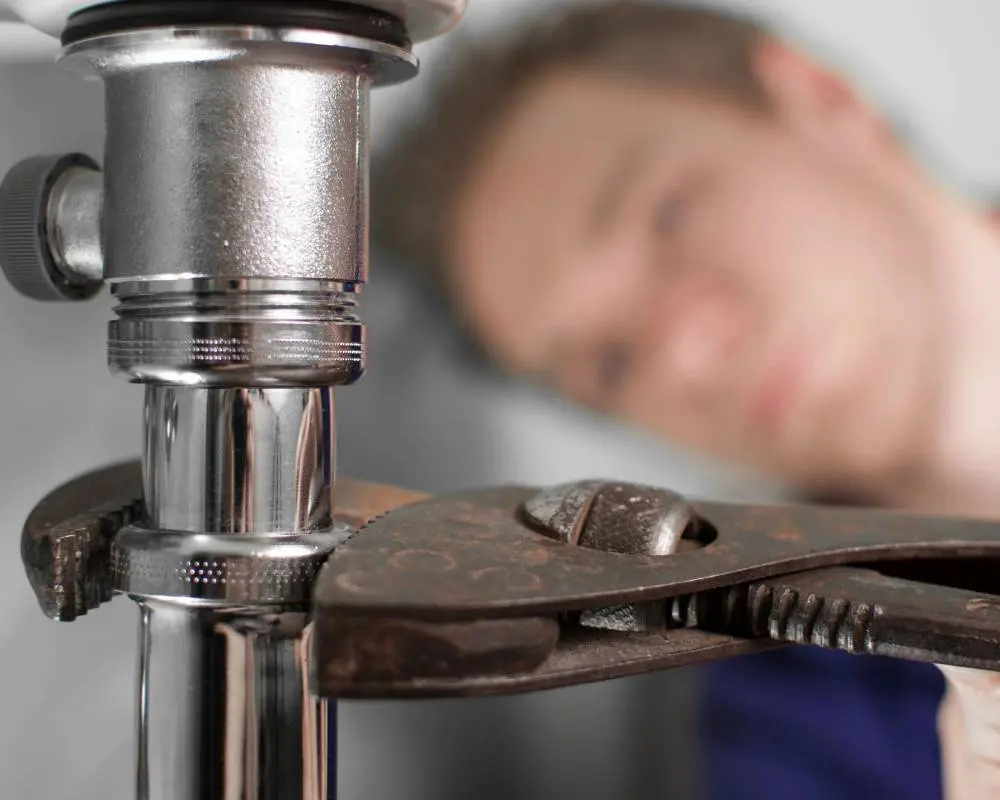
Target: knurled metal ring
{"type": "Point", "coordinates": [258, 353]}
{"type": "Point", "coordinates": [221, 569]}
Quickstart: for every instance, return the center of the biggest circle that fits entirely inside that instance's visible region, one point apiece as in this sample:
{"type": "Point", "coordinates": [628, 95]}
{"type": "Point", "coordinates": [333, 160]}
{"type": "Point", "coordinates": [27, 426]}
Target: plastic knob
{"type": "Point", "coordinates": [26, 255]}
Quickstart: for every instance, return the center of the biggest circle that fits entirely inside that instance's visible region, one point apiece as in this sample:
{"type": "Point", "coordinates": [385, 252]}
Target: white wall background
{"type": "Point", "coordinates": [935, 63]}
{"type": "Point", "coordinates": [65, 697]}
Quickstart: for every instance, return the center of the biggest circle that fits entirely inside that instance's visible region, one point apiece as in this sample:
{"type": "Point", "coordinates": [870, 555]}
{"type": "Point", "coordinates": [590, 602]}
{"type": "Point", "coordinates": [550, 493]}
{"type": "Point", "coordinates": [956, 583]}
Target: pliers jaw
{"type": "Point", "coordinates": [512, 590]}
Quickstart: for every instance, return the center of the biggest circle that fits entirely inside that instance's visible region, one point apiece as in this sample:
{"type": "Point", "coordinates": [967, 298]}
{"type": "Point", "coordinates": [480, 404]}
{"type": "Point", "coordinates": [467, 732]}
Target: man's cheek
{"type": "Point", "coordinates": [670, 409]}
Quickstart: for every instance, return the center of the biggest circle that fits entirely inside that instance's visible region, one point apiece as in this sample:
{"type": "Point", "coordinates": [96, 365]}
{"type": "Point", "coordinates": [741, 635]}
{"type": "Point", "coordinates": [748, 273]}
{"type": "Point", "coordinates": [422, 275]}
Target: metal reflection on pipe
{"type": "Point", "coordinates": [224, 709]}
{"type": "Point", "coordinates": [239, 460]}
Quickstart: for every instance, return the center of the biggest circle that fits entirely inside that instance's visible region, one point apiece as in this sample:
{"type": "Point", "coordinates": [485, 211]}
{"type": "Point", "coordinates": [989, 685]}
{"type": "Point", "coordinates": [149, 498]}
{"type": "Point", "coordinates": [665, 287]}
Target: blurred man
{"type": "Point", "coordinates": [675, 217]}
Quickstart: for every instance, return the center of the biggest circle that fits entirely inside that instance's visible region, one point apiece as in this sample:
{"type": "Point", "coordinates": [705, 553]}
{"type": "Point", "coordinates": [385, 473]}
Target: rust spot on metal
{"type": "Point", "coordinates": [575, 578]}
{"type": "Point", "coordinates": [66, 542]}
{"type": "Point", "coordinates": [421, 561]}
{"type": "Point", "coordinates": [536, 558]}
{"type": "Point", "coordinates": [358, 582]}
{"type": "Point", "coordinates": [499, 575]}
{"type": "Point", "coordinates": [517, 580]}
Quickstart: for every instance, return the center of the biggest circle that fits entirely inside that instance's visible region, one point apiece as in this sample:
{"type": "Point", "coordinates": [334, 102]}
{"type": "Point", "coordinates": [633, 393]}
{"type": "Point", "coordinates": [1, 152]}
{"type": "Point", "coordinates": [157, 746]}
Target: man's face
{"type": "Point", "coordinates": [751, 284]}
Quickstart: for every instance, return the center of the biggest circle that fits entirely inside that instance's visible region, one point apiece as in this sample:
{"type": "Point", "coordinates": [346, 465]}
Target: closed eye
{"type": "Point", "coordinates": [613, 365]}
{"type": "Point", "coordinates": [667, 215]}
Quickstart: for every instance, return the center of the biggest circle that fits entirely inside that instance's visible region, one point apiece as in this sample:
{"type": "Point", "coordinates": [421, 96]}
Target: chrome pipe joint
{"type": "Point", "coordinates": [238, 521]}
{"type": "Point", "coordinates": [231, 223]}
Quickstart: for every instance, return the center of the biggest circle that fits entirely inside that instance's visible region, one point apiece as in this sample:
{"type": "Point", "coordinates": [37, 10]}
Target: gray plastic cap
{"type": "Point", "coordinates": [25, 255]}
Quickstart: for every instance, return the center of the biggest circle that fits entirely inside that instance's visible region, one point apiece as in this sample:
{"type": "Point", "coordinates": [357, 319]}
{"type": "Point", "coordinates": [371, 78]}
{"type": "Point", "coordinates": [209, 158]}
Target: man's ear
{"type": "Point", "coordinates": [806, 92]}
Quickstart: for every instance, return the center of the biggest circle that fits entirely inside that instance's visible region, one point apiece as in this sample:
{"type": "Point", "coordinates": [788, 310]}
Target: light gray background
{"type": "Point", "coordinates": [421, 419]}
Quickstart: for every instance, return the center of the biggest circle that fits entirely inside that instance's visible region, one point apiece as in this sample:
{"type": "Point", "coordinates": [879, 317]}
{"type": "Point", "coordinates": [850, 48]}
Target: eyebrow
{"type": "Point", "coordinates": [612, 193]}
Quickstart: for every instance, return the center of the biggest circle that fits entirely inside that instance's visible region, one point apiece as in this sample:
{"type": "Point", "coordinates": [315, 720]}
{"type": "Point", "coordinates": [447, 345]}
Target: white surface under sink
{"type": "Point", "coordinates": [20, 42]}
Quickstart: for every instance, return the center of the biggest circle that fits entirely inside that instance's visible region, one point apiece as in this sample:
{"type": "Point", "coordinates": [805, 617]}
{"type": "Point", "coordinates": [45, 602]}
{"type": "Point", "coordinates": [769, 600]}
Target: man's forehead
{"type": "Point", "coordinates": [565, 98]}
{"type": "Point", "coordinates": [570, 94]}
{"type": "Point", "coordinates": [575, 122]}
{"type": "Point", "coordinates": [565, 130]}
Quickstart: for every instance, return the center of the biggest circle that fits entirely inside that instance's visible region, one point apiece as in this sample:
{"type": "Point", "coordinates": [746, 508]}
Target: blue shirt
{"type": "Point", "coordinates": [809, 724]}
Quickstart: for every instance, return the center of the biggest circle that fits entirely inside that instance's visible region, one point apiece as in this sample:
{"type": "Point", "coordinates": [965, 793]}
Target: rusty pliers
{"type": "Point", "coordinates": [513, 590]}
{"type": "Point", "coordinates": [510, 590]}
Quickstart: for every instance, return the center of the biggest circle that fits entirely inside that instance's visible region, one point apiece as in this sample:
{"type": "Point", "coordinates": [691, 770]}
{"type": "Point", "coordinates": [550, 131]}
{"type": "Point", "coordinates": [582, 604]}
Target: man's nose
{"type": "Point", "coordinates": [693, 333]}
